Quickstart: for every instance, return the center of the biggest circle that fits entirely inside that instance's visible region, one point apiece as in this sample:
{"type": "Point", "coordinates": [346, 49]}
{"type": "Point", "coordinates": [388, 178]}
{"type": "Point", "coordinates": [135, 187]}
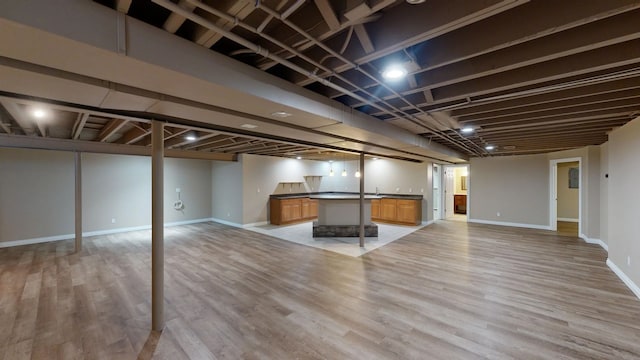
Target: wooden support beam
{"type": "Point", "coordinates": [79, 125]}
{"type": "Point", "coordinates": [136, 134]}
{"type": "Point", "coordinates": [30, 142]}
{"type": "Point", "coordinates": [178, 141]}
{"type": "Point", "coordinates": [428, 95]}
{"type": "Point", "coordinates": [4, 125]}
{"type": "Point", "coordinates": [78, 201]}
{"type": "Point", "coordinates": [157, 225]}
{"type": "Point", "coordinates": [27, 125]}
{"type": "Point", "coordinates": [238, 9]}
{"type": "Point", "coordinates": [328, 14]}
{"type": "Point", "coordinates": [111, 128]}
{"type": "Point", "coordinates": [361, 166]}
{"type": "Point", "coordinates": [364, 38]}
{"type": "Point", "coordinates": [174, 21]}
{"type": "Point", "coordinates": [123, 5]}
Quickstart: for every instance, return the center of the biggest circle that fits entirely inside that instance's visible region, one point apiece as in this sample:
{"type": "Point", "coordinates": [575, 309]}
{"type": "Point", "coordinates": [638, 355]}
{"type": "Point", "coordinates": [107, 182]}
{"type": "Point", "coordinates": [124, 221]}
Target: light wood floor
{"type": "Point", "coordinates": [449, 291]}
{"type": "Point", "coordinates": [567, 228]}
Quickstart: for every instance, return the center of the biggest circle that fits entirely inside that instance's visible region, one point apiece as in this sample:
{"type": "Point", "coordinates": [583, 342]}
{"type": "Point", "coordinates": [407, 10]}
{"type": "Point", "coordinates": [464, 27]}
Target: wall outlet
{"type": "Point", "coordinates": [410, 190]}
{"type": "Point", "coordinates": [113, 220]}
{"type": "Point", "coordinates": [498, 214]}
{"type": "Point", "coordinates": [397, 189]}
{"type": "Point", "coordinates": [422, 190]}
{"type": "Point", "coordinates": [628, 260]}
{"type": "Point", "coordinates": [228, 214]}
{"type": "Point", "coordinates": [258, 190]}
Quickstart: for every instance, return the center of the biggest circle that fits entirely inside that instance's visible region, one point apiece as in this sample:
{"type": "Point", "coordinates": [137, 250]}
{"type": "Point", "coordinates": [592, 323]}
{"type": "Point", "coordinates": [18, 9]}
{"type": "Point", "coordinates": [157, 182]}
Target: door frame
{"type": "Point", "coordinates": [443, 194]}
{"type": "Point", "coordinates": [437, 203]}
{"type": "Point", "coordinates": [553, 192]}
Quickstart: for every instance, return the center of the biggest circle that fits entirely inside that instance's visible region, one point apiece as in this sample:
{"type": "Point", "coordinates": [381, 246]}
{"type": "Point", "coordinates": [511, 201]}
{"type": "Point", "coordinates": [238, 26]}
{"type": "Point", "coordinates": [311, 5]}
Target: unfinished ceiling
{"type": "Point", "coordinates": [526, 76]}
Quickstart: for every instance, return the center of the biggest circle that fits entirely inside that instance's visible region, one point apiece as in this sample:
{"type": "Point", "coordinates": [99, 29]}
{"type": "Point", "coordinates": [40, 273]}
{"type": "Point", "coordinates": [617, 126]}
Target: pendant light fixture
{"type": "Point", "coordinates": [344, 166]}
{"type": "Point", "coordinates": [330, 167]}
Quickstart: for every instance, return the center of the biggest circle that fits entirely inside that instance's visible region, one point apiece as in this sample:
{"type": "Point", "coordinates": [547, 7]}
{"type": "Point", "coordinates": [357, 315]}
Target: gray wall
{"type": "Point", "coordinates": [193, 178]}
{"type": "Point", "coordinates": [524, 182]}
{"type": "Point", "coordinates": [604, 193]}
{"type": "Point", "coordinates": [37, 192]}
{"type": "Point", "coordinates": [226, 191]}
{"type": "Point", "coordinates": [115, 187]}
{"type": "Point", "coordinates": [516, 186]}
{"type": "Point", "coordinates": [262, 176]}
{"type": "Point", "coordinates": [591, 207]}
{"type": "Point", "coordinates": [624, 199]}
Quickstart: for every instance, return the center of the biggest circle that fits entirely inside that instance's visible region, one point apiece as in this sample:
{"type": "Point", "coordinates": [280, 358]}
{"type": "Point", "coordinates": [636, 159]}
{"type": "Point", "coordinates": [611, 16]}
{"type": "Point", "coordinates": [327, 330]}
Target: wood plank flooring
{"type": "Point", "coordinates": [451, 290]}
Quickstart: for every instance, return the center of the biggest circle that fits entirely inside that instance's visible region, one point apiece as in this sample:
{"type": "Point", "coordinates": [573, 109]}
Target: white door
{"type": "Point", "coordinates": [449, 189]}
{"type": "Point", "coordinates": [437, 192]}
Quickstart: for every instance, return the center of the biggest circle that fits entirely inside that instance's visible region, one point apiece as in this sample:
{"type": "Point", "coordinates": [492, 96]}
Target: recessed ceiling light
{"type": "Point", "coordinates": [249, 126]}
{"type": "Point", "coordinates": [190, 137]}
{"type": "Point", "coordinates": [415, 2]}
{"type": "Point", "coordinates": [282, 114]}
{"type": "Point", "coordinates": [298, 157]}
{"type": "Point", "coordinates": [467, 130]}
{"type": "Point", "coordinates": [394, 72]}
{"type": "Point", "coordinates": [489, 147]}
{"type": "Point", "coordinates": [375, 158]}
{"type": "Point", "coordinates": [39, 113]}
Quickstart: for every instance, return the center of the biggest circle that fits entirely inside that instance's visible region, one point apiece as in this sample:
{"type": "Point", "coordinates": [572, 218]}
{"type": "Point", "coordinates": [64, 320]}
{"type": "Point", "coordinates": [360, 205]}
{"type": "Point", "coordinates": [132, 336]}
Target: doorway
{"type": "Point", "coordinates": [456, 192]}
{"type": "Point", "coordinates": [437, 192]}
{"type": "Point", "coordinates": [566, 196]}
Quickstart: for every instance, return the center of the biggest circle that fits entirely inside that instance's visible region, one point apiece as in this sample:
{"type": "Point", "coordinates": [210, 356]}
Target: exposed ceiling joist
{"type": "Point", "coordinates": [174, 21]}
{"type": "Point", "coordinates": [26, 125]}
{"type": "Point", "coordinates": [81, 120]}
{"type": "Point", "coordinates": [123, 5]}
{"type": "Point", "coordinates": [111, 128]}
{"type": "Point", "coordinates": [207, 37]}
{"type": "Point", "coordinates": [365, 40]}
{"type": "Point", "coordinates": [328, 14]}
{"type": "Point", "coordinates": [135, 134]}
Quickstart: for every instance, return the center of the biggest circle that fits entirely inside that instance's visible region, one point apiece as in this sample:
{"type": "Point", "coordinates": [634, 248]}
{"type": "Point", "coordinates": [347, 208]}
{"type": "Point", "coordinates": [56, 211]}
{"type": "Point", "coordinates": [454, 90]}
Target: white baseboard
{"type": "Point", "coordinates": [427, 223]}
{"type": "Point", "coordinates": [260, 223]}
{"type": "Point", "coordinates": [115, 231]}
{"type": "Point", "coordinates": [501, 223]}
{"type": "Point", "coordinates": [568, 220]}
{"type": "Point", "coordinates": [630, 284]}
{"type": "Point", "coordinates": [225, 222]}
{"type": "Point", "coordinates": [595, 241]}
{"type": "Point", "coordinates": [39, 240]}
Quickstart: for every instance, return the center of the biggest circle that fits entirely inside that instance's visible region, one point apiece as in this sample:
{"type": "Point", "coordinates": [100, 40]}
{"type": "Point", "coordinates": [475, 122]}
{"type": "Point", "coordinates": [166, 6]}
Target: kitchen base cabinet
{"type": "Point", "coordinates": [287, 211]}
{"type": "Point", "coordinates": [397, 211]}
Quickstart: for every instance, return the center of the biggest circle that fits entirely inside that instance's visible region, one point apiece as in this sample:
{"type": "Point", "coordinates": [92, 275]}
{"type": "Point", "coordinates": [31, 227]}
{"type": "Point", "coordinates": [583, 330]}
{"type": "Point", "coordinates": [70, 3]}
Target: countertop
{"type": "Point", "coordinates": [345, 195]}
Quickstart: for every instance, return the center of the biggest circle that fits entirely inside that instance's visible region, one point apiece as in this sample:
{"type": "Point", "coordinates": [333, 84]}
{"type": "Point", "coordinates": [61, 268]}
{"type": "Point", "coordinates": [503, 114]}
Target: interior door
{"type": "Point", "coordinates": [448, 191]}
{"type": "Point", "coordinates": [437, 192]}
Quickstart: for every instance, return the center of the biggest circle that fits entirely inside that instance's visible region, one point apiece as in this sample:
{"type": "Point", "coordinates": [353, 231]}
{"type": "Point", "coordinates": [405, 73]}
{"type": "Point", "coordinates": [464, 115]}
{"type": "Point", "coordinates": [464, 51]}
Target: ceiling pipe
{"type": "Point", "coordinates": [358, 68]}
{"type": "Point", "coordinates": [256, 48]}
{"type": "Point", "coordinates": [261, 51]}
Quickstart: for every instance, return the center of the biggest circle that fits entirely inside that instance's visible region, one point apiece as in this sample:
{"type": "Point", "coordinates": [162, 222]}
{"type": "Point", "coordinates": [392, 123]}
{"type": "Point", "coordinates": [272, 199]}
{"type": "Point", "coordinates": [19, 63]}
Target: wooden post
{"type": "Point", "coordinates": [157, 225]}
{"type": "Point", "coordinates": [361, 199]}
{"type": "Point", "coordinates": [78, 187]}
